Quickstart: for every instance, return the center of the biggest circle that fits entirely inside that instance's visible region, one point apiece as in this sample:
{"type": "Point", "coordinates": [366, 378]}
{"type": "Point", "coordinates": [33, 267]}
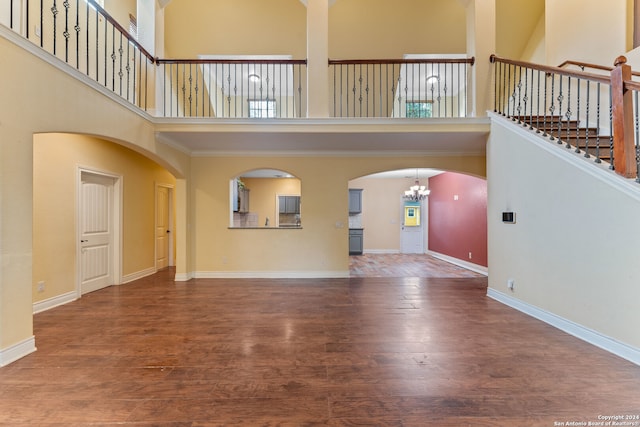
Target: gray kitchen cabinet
{"type": "Point", "coordinates": [356, 241]}
{"type": "Point", "coordinates": [355, 200]}
{"type": "Point", "coordinates": [289, 204]}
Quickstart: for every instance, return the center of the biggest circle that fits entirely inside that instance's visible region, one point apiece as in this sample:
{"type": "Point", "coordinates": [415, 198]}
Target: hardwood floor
{"type": "Point", "coordinates": [343, 352]}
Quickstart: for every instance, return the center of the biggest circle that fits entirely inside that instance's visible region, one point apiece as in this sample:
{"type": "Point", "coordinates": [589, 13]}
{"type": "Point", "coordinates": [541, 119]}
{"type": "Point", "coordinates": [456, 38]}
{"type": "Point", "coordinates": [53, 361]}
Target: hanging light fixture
{"type": "Point", "coordinates": [416, 192]}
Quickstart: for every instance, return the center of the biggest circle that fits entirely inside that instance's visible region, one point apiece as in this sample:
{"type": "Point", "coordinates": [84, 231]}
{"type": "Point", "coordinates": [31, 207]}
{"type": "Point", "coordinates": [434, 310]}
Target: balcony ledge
{"type": "Point", "coordinates": [325, 136]}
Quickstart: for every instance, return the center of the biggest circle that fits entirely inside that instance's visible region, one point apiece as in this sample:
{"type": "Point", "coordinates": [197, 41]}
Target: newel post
{"type": "Point", "coordinates": [624, 152]}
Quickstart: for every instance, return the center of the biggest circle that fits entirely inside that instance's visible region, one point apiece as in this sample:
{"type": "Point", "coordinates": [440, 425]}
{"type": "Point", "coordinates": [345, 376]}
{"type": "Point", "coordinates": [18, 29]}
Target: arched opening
{"type": "Point", "coordinates": [82, 186]}
{"type": "Point", "coordinates": [450, 224]}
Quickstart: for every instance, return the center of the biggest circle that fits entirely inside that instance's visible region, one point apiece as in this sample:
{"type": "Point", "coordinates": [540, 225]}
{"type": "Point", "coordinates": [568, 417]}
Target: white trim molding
{"type": "Point", "coordinates": [17, 351]}
{"type": "Point", "coordinates": [271, 274]}
{"type": "Point", "coordinates": [609, 344]}
{"type": "Point", "coordinates": [138, 275]}
{"type": "Point", "coordinates": [49, 303]}
{"type": "Point", "coordinates": [183, 277]}
{"type": "Point", "coordinates": [460, 263]}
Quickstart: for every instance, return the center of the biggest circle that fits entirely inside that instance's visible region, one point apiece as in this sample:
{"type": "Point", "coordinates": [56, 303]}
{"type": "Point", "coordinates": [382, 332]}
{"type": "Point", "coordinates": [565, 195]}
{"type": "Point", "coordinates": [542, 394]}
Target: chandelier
{"type": "Point", "coordinates": [416, 192]}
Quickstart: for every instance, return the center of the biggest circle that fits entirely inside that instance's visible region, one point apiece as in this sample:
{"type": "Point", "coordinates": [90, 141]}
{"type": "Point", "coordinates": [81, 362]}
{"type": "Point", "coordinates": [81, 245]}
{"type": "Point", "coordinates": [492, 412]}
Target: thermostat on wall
{"type": "Point", "coordinates": [509, 217]}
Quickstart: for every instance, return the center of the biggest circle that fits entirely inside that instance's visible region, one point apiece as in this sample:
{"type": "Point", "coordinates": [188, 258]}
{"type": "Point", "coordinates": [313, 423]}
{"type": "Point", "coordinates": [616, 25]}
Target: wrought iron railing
{"type": "Point", "coordinates": [233, 88]}
{"type": "Point", "coordinates": [86, 37]}
{"type": "Point", "coordinates": [407, 88]}
{"type": "Point", "coordinates": [591, 113]}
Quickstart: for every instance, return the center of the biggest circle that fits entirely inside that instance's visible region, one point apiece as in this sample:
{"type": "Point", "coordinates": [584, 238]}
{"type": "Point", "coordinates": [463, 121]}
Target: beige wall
{"type": "Point", "coordinates": [376, 29]}
{"type": "Point", "coordinates": [321, 246]}
{"type": "Point", "coordinates": [56, 159]}
{"type": "Point", "coordinates": [597, 34]}
{"type": "Point", "coordinates": [238, 27]}
{"type": "Point", "coordinates": [516, 22]}
{"type": "Point", "coordinates": [386, 30]}
{"type": "Point", "coordinates": [571, 251]}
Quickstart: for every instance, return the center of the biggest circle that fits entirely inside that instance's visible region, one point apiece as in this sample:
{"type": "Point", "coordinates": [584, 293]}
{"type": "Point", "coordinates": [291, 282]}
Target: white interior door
{"type": "Point", "coordinates": [96, 222]}
{"type": "Point", "coordinates": [412, 238]}
{"type": "Point", "coordinates": [163, 227]}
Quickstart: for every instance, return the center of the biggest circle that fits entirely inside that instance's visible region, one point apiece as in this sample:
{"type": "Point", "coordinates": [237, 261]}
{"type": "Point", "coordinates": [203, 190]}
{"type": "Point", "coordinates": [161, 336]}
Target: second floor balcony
{"type": "Point", "coordinates": [85, 36]}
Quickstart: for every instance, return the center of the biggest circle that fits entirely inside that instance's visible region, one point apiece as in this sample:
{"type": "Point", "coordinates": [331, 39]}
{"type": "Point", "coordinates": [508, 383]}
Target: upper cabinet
{"type": "Point", "coordinates": [355, 200]}
{"type": "Point", "coordinates": [289, 204]}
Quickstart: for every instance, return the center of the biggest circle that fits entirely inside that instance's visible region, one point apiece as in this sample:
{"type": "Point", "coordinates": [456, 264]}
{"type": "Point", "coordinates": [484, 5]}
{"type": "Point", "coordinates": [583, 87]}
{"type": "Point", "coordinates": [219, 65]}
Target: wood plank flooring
{"type": "Point", "coordinates": [343, 352]}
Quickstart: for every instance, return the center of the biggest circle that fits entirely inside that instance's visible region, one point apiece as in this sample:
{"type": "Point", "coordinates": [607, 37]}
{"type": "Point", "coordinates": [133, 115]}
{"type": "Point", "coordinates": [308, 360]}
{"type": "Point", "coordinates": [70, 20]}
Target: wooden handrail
{"type": "Point", "coordinates": [232, 61]}
{"type": "Point", "coordinates": [584, 65]}
{"type": "Point", "coordinates": [124, 32]}
{"type": "Point", "coordinates": [470, 61]}
{"type": "Point", "coordinates": [553, 70]}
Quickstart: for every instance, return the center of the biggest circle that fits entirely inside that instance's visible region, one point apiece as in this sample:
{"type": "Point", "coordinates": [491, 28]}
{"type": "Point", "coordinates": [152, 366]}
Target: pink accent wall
{"type": "Point", "coordinates": [457, 227]}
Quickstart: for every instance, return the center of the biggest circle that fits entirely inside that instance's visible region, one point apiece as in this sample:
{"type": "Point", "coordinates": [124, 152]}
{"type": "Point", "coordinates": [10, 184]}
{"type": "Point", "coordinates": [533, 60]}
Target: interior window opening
{"type": "Point", "coordinates": [265, 198]}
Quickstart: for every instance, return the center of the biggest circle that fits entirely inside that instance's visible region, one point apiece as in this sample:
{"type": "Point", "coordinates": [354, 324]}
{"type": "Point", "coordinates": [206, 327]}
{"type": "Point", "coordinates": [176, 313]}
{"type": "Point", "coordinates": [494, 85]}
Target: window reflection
{"type": "Point", "coordinates": [265, 198]}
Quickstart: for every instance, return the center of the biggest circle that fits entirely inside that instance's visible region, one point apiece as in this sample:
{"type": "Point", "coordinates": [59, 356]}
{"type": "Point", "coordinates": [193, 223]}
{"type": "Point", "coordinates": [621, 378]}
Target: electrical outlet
{"type": "Point", "coordinates": [40, 286]}
{"type": "Point", "coordinates": [510, 284]}
{"type": "Point", "coordinates": [470, 255]}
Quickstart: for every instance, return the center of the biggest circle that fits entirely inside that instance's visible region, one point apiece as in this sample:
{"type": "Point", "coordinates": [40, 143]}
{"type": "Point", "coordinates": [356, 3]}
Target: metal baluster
{"type": "Point", "coordinates": [128, 68]}
{"type": "Point", "coordinates": [525, 99]}
{"type": "Point", "coordinates": [229, 91]}
{"type": "Point", "coordinates": [195, 89]}
{"type": "Point", "coordinates": [505, 89]}
{"type": "Point", "coordinates": [66, 33]}
{"type": "Point", "coordinates": [552, 107]}
{"type": "Point", "coordinates": [538, 104]}
{"type": "Point", "coordinates": [637, 141]}
{"type": "Point", "coordinates": [41, 23]}
{"type": "Point", "coordinates": [54, 11]}
{"type": "Point", "coordinates": [578, 118]}
{"type": "Point", "coordinates": [445, 89]}
{"type": "Point", "coordinates": [120, 73]}
{"type": "Point", "coordinates": [11, 15]}
{"type": "Point", "coordinates": [611, 166]}
{"type": "Point", "coordinates": [135, 74]}
{"type": "Point", "coordinates": [360, 89]}
{"type": "Point", "coordinates": [190, 97]}
{"type": "Point", "coordinates": [588, 108]}
{"type": "Point", "coordinates": [497, 108]}
{"type": "Point", "coordinates": [439, 91]}
{"type": "Point", "coordinates": [146, 85]}
{"type": "Point", "coordinates": [598, 88]}
{"type": "Point", "coordinates": [367, 88]}
{"type": "Point", "coordinates": [568, 114]}
{"type": "Point", "coordinates": [531, 106]}
{"type": "Point", "coordinates": [105, 53]}
{"type": "Point", "coordinates": [518, 117]}
{"type": "Point", "coordinates": [560, 99]}
{"type": "Point", "coordinates": [77, 30]}
{"type": "Point", "coordinates": [508, 93]}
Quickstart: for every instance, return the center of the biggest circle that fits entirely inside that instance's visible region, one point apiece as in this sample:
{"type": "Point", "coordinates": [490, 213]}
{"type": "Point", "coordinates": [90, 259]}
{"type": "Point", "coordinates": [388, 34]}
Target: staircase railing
{"type": "Point", "coordinates": [593, 114]}
{"type": "Point", "coordinates": [86, 37]}
{"type": "Point", "coordinates": [407, 88]}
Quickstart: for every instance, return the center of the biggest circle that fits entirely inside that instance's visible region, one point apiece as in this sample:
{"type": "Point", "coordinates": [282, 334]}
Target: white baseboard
{"type": "Point", "coordinates": [17, 351]}
{"type": "Point", "coordinates": [183, 277]}
{"type": "Point", "coordinates": [48, 304]}
{"type": "Point", "coordinates": [381, 251]}
{"type": "Point", "coordinates": [618, 348]}
{"type": "Point", "coordinates": [271, 274]}
{"type": "Point", "coordinates": [460, 263]}
{"type": "Point", "coordinates": [138, 275]}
